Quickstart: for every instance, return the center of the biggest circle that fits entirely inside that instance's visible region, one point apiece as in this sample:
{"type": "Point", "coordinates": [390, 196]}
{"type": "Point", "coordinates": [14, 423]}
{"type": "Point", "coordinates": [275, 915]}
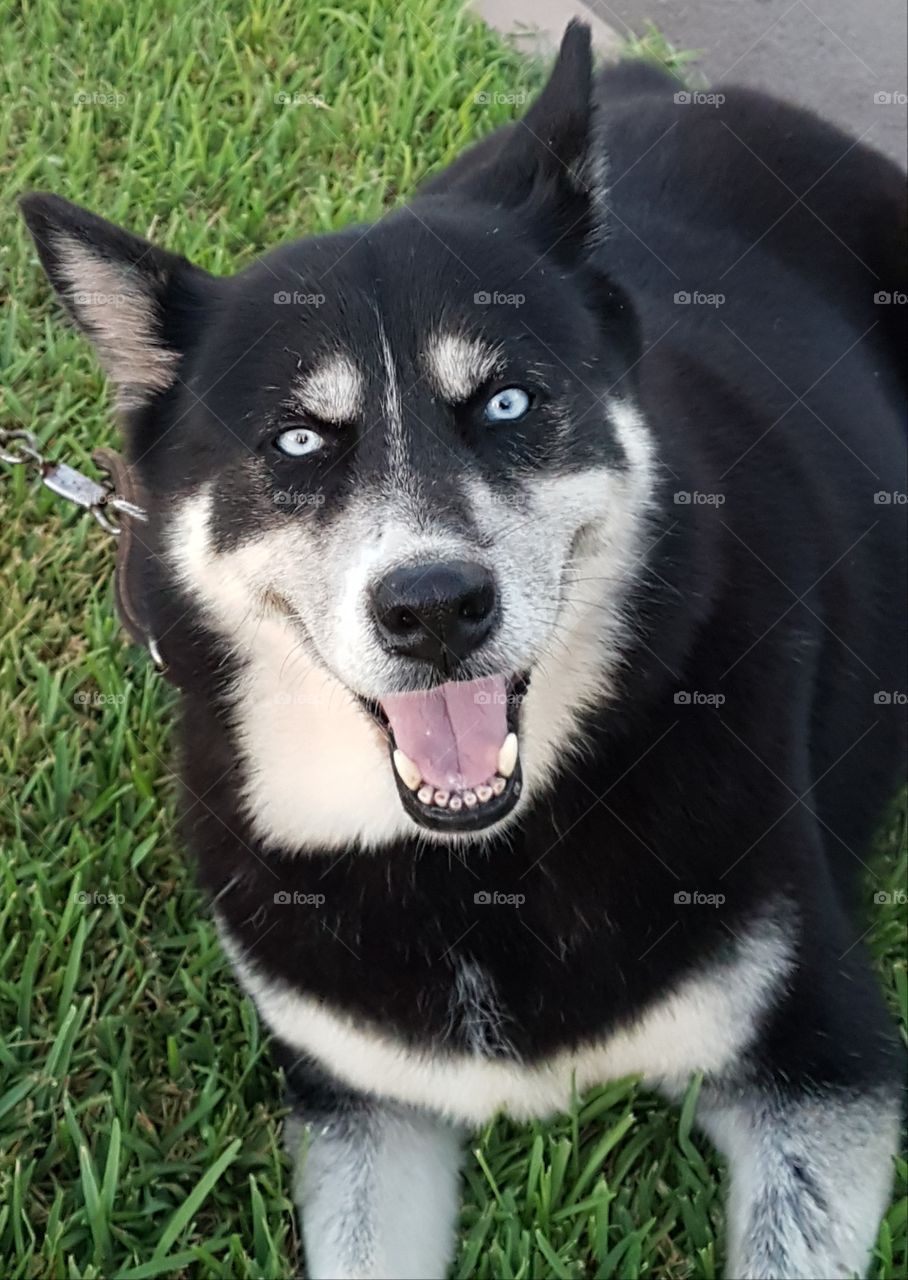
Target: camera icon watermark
{"type": "Point", "coordinates": [686, 498]}
{"type": "Point", "coordinates": [694, 698]}
{"type": "Point", "coordinates": [883, 98]}
{"type": "Point", "coordinates": [494, 97]}
{"type": "Point", "coordinates": [890, 298]}
{"type": "Point", "coordinates": [887, 698]}
{"type": "Point", "coordinates": [284, 498]}
{"type": "Point", "coordinates": [898, 897]}
{"type": "Point", "coordinates": [890, 498]}
{"type": "Point", "coordinates": [288, 298]}
{"type": "Point", "coordinates": [286, 99]}
{"type": "Point", "coordinates": [517, 501]}
{"type": "Point", "coordinates": [697, 298]}
{"type": "Point", "coordinates": [93, 698]}
{"type": "Point", "coordinates": [297, 698]}
{"type": "Point", "coordinates": [93, 299]}
{"type": "Point", "coordinates": [485, 699]}
{"type": "Point", "coordinates": [698, 98]}
{"type": "Point", "coordinates": [492, 898]}
{"type": "Point", "coordinates": [94, 98]}
{"type": "Point", "coordinates": [284, 898]}
{"type": "Point", "coordinates": [484, 298]}
{"type": "Point", "coordinates": [694, 898]}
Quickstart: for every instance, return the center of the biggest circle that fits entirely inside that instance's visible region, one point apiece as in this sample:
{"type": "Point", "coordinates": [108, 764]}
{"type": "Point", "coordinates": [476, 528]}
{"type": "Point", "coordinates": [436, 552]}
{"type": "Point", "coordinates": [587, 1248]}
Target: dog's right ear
{"type": "Point", "coordinates": [548, 164]}
{"type": "Point", "coordinates": [137, 304]}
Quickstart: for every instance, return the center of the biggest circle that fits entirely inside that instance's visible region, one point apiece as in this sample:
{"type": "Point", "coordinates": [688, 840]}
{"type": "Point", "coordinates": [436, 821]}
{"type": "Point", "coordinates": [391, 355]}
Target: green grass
{"type": "Point", "coordinates": [653, 46]}
{"type": "Point", "coordinates": [139, 1118]}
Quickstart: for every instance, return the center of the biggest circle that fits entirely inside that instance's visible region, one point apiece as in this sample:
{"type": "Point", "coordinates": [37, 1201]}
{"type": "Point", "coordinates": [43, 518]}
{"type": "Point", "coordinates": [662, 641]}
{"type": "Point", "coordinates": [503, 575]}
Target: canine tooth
{"type": "Point", "coordinates": [484, 793]}
{"type": "Point", "coordinates": [409, 772]}
{"type": "Point", "coordinates": [498, 785]}
{"type": "Point", "coordinates": [455, 803]}
{"type": "Point", "coordinates": [507, 756]}
{"type": "Point", "coordinates": [469, 799]}
{"type": "Point", "coordinates": [425, 794]}
{"type": "Point", "coordinates": [441, 798]}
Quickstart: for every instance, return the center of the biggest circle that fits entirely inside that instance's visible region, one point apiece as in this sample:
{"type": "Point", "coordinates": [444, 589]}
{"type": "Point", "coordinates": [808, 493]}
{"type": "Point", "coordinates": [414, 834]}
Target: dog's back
{"type": "Point", "coordinates": [765, 253]}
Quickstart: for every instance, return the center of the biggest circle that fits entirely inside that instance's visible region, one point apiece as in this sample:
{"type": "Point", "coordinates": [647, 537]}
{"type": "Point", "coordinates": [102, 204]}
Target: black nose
{"type": "Point", "coordinates": [436, 612]}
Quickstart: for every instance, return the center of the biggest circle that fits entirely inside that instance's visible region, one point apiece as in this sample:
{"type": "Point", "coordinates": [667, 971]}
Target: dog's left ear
{"type": "Point", "coordinates": [548, 164]}
{"type": "Point", "coordinates": [139, 305]}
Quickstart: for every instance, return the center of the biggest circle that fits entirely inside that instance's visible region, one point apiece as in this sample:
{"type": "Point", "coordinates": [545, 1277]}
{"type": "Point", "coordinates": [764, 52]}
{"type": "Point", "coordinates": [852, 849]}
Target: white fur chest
{"type": "Point", "coordinates": [703, 1025]}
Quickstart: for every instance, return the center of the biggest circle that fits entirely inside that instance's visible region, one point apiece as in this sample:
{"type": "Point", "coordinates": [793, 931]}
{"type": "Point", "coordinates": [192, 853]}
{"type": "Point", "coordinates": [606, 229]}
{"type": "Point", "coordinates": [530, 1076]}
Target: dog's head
{"type": "Point", "coordinates": [398, 469]}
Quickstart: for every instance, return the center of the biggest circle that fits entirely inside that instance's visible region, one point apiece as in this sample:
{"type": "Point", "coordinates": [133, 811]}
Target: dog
{"type": "Point", "coordinates": [525, 564]}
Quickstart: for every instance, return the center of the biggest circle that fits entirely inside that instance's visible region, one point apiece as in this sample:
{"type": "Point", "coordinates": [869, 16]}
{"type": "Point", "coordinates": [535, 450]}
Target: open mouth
{"type": "Point", "coordinates": [455, 751]}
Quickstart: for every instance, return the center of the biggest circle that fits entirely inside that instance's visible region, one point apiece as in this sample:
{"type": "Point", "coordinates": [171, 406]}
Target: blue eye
{"type": "Point", "coordinates": [507, 405]}
{"type": "Point", "coordinates": [298, 441]}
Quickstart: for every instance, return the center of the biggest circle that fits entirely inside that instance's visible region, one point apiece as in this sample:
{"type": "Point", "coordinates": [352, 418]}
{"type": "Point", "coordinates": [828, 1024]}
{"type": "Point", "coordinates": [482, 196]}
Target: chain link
{"type": "Point", "coordinates": [20, 448]}
{"type": "Point", "coordinates": [26, 452]}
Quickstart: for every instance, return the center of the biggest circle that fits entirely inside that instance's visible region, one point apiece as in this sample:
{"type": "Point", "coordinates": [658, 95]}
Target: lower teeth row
{"type": "Point", "coordinates": [456, 800]}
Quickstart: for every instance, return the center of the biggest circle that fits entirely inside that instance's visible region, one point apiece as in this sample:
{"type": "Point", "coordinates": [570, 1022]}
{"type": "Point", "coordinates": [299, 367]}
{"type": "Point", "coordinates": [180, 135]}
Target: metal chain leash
{"type": "Point", "coordinates": [20, 448]}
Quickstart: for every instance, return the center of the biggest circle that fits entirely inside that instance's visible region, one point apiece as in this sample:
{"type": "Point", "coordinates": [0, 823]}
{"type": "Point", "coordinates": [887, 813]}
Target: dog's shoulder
{"type": "Point", "coordinates": [747, 170]}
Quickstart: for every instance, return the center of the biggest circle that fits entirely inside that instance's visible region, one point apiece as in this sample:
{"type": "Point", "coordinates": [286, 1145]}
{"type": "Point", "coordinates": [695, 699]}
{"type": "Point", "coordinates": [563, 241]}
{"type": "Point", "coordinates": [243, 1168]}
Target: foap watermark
{"type": "Point", "coordinates": [698, 98]}
{"type": "Point", "coordinates": [897, 98]}
{"type": "Point", "coordinates": [518, 500]}
{"type": "Point", "coordinates": [492, 898]}
{"type": "Point", "coordinates": [694, 898]}
{"type": "Point", "coordinates": [91, 898]}
{"type": "Point", "coordinates": [898, 897]}
{"type": "Point", "coordinates": [696, 698]}
{"type": "Point", "coordinates": [696, 298]}
{"type": "Point", "coordinates": [499, 98]}
{"type": "Point", "coordinates": [91, 299]}
{"type": "Point", "coordinates": [294, 298]}
{"type": "Point", "coordinates": [890, 298]}
{"type": "Point", "coordinates": [890, 498]}
{"type": "Point", "coordinates": [284, 498]}
{"type": "Point", "coordinates": [299, 698]}
{"type": "Point", "coordinates": [496, 299]}
{"type": "Point", "coordinates": [283, 98]}
{"type": "Point", "coordinates": [485, 699]}
{"type": "Point", "coordinates": [98, 98]}
{"type": "Point", "coordinates": [890, 698]}
{"type": "Point", "coordinates": [89, 698]}
{"type": "Point", "coordinates": [694, 498]}
{"type": "Point", "coordinates": [284, 898]}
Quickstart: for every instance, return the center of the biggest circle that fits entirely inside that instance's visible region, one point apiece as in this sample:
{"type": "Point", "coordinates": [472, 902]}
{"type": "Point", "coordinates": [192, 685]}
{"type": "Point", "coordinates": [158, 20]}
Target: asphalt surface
{"type": "Point", "coordinates": [845, 59]}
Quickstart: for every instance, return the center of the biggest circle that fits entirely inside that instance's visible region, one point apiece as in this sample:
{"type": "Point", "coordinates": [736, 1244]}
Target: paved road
{"type": "Point", "coordinates": [835, 56]}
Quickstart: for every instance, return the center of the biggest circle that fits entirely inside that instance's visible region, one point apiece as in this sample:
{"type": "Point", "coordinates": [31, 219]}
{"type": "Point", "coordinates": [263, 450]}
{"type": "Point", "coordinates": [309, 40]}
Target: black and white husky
{"type": "Point", "coordinates": [530, 566]}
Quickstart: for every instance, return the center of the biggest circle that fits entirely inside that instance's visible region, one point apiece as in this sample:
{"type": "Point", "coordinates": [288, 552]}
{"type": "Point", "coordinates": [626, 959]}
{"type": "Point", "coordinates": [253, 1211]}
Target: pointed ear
{"type": "Point", "coordinates": [135, 302]}
{"type": "Point", "coordinates": [548, 163]}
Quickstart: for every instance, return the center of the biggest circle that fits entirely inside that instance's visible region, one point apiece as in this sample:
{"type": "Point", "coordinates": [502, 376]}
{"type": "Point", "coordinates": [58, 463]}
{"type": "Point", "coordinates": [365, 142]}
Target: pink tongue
{"type": "Point", "coordinates": [454, 732]}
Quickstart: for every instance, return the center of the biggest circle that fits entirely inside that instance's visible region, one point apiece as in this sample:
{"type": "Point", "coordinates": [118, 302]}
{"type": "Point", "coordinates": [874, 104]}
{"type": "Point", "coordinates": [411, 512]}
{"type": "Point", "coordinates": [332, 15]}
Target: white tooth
{"type": "Point", "coordinates": [409, 772]}
{"type": "Point", "coordinates": [484, 793]}
{"type": "Point", "coordinates": [441, 798]}
{"type": "Point", "coordinates": [425, 794]}
{"type": "Point", "coordinates": [498, 785]}
{"type": "Point", "coordinates": [507, 756]}
{"type": "Point", "coordinates": [455, 803]}
{"type": "Point", "coordinates": [469, 799]}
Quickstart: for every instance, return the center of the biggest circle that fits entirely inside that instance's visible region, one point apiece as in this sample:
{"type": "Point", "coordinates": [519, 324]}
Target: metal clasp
{"type": "Point", "coordinates": [20, 448]}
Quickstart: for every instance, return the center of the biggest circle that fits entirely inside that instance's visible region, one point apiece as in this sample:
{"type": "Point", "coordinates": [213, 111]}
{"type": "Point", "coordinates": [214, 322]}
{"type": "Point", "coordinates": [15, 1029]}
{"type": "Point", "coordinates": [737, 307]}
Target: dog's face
{"type": "Point", "coordinates": [399, 466]}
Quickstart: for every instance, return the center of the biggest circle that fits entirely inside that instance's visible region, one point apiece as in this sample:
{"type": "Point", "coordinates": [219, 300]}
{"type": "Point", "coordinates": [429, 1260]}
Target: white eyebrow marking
{"type": "Point", "coordinates": [459, 365]}
{"type": "Point", "coordinates": [333, 391]}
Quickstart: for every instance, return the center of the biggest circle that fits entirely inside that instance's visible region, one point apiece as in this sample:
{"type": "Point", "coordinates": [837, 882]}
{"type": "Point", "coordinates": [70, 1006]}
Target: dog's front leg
{"type": "Point", "coordinates": [376, 1184]}
{"type": "Point", "coordinates": [810, 1175]}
